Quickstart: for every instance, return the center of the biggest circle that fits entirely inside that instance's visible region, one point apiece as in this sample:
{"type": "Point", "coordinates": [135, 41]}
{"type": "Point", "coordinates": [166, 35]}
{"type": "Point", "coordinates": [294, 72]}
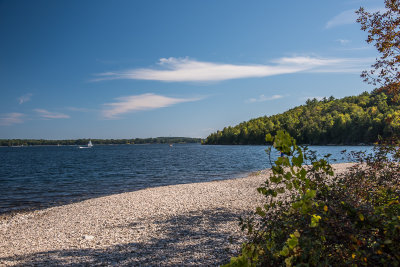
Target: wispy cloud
{"type": "Point", "coordinates": [50, 115]}
{"type": "Point", "coordinates": [342, 65]}
{"type": "Point", "coordinates": [24, 98]}
{"type": "Point", "coordinates": [343, 18]}
{"type": "Point", "coordinates": [355, 48]}
{"type": "Point", "coordinates": [263, 98]}
{"type": "Point", "coordinates": [11, 118]}
{"type": "Point", "coordinates": [315, 65]}
{"type": "Point", "coordinates": [140, 102]}
{"type": "Point", "coordinates": [78, 109]}
{"type": "Point", "coordinates": [347, 17]}
{"type": "Point", "coordinates": [189, 70]}
{"type": "Point", "coordinates": [343, 41]}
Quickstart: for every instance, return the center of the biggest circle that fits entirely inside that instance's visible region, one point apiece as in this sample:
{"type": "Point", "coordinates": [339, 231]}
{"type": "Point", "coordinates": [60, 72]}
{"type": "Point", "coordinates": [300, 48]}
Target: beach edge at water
{"type": "Point", "coordinates": [185, 224]}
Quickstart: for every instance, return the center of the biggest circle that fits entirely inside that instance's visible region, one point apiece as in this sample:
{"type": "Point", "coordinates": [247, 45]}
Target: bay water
{"type": "Point", "coordinates": [42, 176]}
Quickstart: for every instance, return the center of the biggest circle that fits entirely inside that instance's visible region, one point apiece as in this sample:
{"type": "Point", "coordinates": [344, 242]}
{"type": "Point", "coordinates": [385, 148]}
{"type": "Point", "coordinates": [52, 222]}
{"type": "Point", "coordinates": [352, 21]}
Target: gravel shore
{"type": "Point", "coordinates": [189, 224]}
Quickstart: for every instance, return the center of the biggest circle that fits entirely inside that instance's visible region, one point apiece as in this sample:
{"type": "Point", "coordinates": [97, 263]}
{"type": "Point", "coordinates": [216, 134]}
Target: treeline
{"type": "Point", "coordinates": [350, 120]}
{"type": "Point", "coordinates": [43, 142]}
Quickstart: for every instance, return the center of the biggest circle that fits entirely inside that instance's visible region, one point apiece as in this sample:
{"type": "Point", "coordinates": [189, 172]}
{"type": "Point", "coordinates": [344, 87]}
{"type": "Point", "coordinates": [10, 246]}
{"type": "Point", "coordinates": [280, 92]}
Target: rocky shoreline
{"type": "Point", "coordinates": [188, 224]}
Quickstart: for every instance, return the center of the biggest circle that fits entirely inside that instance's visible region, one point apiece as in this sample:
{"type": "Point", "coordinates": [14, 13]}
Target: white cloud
{"type": "Point", "coordinates": [188, 70]}
{"type": "Point", "coordinates": [184, 70]}
{"type": "Point", "coordinates": [263, 98]}
{"type": "Point", "coordinates": [24, 98]}
{"type": "Point", "coordinates": [141, 102]}
{"type": "Point", "coordinates": [11, 118]}
{"type": "Point", "coordinates": [50, 115]}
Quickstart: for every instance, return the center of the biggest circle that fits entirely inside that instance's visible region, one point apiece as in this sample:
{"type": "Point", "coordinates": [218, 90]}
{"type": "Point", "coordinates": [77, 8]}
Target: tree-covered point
{"type": "Point", "coordinates": [350, 120]}
{"type": "Point", "coordinates": [43, 142]}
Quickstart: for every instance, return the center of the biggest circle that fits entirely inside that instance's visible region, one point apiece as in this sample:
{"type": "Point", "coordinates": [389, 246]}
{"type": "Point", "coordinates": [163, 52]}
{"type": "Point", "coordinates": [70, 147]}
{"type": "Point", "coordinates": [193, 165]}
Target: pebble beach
{"type": "Point", "coordinates": [188, 224]}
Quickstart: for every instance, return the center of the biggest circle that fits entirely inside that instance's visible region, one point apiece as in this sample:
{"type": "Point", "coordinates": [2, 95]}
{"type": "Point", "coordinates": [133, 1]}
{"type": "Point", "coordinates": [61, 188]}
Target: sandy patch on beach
{"type": "Point", "coordinates": [189, 224]}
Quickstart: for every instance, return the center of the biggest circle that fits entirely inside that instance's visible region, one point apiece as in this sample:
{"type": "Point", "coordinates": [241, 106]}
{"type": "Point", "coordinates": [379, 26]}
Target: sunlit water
{"type": "Point", "coordinates": [42, 176]}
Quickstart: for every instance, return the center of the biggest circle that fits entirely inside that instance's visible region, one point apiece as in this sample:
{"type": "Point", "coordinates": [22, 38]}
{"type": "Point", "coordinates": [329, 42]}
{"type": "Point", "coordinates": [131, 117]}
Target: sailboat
{"type": "Point", "coordinates": [89, 145]}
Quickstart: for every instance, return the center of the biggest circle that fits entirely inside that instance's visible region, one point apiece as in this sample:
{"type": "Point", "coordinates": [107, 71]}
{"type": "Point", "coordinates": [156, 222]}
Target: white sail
{"type": "Point", "coordinates": [89, 145]}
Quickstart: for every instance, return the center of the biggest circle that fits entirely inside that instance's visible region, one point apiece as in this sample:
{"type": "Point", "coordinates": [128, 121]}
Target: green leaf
{"type": "Point", "coordinates": [284, 252]}
{"type": "Point", "coordinates": [262, 190]}
{"type": "Point", "coordinates": [296, 184]}
{"type": "Point", "coordinates": [315, 220]}
{"type": "Point", "coordinates": [303, 174]}
{"type": "Point", "coordinates": [269, 138]}
{"type": "Point", "coordinates": [260, 212]}
{"type": "Point", "coordinates": [297, 205]}
{"type": "Point", "coordinates": [277, 169]}
{"type": "Point", "coordinates": [297, 161]}
{"type": "Point", "coordinates": [292, 242]}
{"type": "Point", "coordinates": [283, 142]}
{"type": "Point", "coordinates": [311, 193]}
{"type": "Point", "coordinates": [275, 179]}
{"type": "Point", "coordinates": [288, 175]}
{"type": "Point", "coordinates": [288, 261]}
{"type": "Point", "coordinates": [280, 190]}
{"type": "Point", "coordinates": [289, 186]}
{"type": "Point", "coordinates": [296, 234]}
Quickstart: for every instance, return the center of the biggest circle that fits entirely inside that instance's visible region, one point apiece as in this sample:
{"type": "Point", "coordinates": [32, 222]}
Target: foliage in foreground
{"type": "Point", "coordinates": [313, 218]}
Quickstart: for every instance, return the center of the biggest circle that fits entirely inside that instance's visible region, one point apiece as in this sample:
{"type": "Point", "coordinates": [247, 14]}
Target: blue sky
{"type": "Point", "coordinates": [127, 69]}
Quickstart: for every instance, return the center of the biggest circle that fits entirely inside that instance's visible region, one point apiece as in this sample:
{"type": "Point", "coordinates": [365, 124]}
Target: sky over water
{"type": "Point", "coordinates": [126, 69]}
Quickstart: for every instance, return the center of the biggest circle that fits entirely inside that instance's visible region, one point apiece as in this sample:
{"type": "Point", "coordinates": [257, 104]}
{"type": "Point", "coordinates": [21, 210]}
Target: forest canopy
{"type": "Point", "coordinates": [350, 120]}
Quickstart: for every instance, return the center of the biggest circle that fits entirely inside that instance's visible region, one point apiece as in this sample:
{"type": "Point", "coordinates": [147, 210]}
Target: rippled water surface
{"type": "Point", "coordinates": [41, 176]}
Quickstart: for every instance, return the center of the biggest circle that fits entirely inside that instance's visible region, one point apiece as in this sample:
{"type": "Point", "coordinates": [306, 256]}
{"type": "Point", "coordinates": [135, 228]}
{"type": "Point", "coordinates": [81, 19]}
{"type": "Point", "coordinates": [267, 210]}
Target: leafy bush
{"type": "Point", "coordinates": [313, 218]}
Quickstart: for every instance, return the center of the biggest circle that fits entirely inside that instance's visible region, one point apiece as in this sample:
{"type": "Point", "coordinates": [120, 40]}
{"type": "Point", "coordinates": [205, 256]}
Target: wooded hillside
{"type": "Point", "coordinates": [350, 120]}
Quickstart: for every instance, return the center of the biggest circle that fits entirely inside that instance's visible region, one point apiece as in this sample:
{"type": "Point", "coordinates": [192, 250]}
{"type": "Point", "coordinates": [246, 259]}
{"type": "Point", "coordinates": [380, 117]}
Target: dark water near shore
{"type": "Point", "coordinates": [37, 177]}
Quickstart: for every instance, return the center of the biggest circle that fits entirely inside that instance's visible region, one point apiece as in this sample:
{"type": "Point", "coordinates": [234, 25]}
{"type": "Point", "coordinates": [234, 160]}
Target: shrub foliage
{"type": "Point", "coordinates": [312, 217]}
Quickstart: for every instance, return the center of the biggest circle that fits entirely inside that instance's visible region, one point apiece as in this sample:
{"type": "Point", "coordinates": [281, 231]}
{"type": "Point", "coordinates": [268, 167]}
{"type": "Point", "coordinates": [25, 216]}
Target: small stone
{"type": "Point", "coordinates": [88, 237]}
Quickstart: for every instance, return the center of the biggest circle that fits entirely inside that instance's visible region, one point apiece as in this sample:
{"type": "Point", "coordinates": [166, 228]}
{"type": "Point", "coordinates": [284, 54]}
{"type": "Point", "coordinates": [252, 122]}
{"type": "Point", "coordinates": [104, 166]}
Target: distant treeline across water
{"type": "Point", "coordinates": [43, 142]}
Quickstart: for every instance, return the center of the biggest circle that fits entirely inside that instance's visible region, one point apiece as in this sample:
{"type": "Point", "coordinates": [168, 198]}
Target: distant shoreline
{"type": "Point", "coordinates": [80, 141]}
{"type": "Point", "coordinates": [106, 145]}
{"type": "Point", "coordinates": [182, 143]}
